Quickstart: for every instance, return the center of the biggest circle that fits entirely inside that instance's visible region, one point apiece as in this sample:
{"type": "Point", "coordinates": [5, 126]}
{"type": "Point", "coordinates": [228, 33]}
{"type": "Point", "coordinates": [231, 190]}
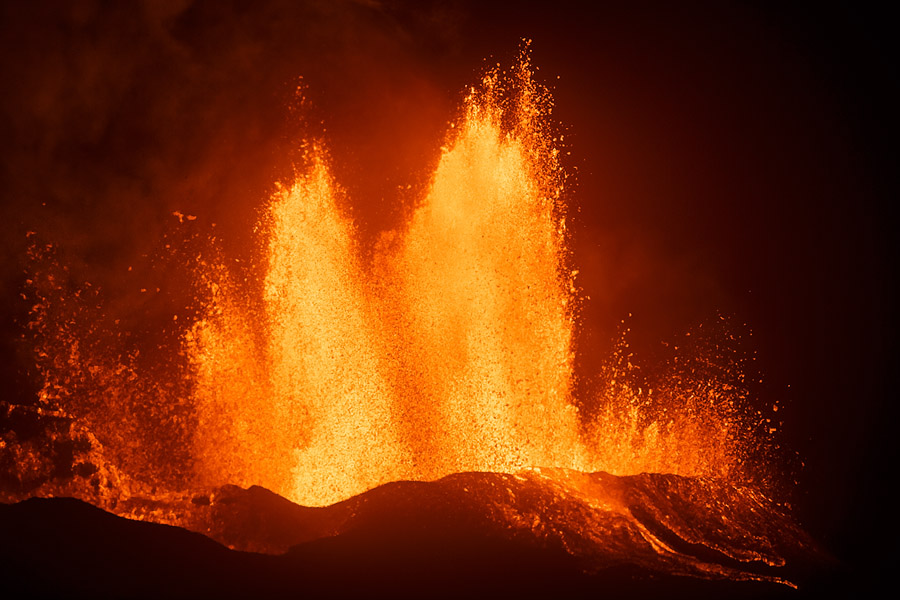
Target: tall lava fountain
{"type": "Point", "coordinates": [452, 354]}
{"type": "Point", "coordinates": [449, 349]}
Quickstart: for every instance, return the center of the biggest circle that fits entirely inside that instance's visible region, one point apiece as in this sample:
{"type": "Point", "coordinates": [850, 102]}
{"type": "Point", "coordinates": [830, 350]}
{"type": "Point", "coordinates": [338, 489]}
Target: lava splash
{"type": "Point", "coordinates": [446, 359]}
{"type": "Point", "coordinates": [453, 355]}
{"type": "Point", "coordinates": [451, 352]}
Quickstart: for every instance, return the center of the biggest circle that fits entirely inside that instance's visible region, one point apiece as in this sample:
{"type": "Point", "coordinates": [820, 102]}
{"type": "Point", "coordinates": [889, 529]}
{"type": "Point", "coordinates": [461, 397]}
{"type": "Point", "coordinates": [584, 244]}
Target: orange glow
{"type": "Point", "coordinates": [454, 355]}
{"type": "Point", "coordinates": [305, 410]}
{"type": "Point", "coordinates": [460, 360]}
{"type": "Point", "coordinates": [488, 296]}
{"type": "Point", "coordinates": [451, 352]}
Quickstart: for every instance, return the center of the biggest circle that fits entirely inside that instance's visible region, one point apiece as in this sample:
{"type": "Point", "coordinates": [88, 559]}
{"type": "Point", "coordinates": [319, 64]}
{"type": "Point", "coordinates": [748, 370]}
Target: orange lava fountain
{"type": "Point", "coordinates": [306, 412]}
{"type": "Point", "coordinates": [453, 352]}
{"type": "Point", "coordinates": [458, 360]}
{"type": "Point", "coordinates": [488, 296]}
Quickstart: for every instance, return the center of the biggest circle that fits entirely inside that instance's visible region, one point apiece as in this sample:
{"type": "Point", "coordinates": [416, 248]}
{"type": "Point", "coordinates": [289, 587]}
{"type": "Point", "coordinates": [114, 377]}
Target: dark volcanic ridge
{"type": "Point", "coordinates": [540, 531]}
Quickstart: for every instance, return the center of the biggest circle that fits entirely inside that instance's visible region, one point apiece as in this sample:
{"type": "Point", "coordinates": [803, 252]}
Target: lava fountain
{"type": "Point", "coordinates": [306, 410]}
{"type": "Point", "coordinates": [453, 354]}
{"type": "Point", "coordinates": [447, 357]}
{"type": "Point", "coordinates": [488, 294]}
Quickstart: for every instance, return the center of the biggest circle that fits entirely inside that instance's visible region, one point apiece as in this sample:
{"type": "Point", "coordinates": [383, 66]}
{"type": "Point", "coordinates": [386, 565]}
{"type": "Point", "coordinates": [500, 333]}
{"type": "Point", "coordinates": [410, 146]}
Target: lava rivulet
{"type": "Point", "coordinates": [450, 351]}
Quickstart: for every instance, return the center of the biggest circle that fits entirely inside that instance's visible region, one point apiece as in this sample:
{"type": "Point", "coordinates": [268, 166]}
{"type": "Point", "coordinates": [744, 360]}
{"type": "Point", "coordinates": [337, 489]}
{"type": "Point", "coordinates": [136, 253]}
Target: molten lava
{"type": "Point", "coordinates": [453, 354]}
{"type": "Point", "coordinates": [305, 411]}
{"type": "Point", "coordinates": [487, 296]}
{"type": "Point", "coordinates": [450, 351]}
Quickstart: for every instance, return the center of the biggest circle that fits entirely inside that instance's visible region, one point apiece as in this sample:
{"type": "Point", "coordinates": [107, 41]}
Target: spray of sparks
{"type": "Point", "coordinates": [451, 352]}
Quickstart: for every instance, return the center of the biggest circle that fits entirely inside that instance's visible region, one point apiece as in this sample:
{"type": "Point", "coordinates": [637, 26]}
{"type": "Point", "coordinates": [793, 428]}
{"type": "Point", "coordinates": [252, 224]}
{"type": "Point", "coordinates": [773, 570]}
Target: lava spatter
{"type": "Point", "coordinates": [453, 353]}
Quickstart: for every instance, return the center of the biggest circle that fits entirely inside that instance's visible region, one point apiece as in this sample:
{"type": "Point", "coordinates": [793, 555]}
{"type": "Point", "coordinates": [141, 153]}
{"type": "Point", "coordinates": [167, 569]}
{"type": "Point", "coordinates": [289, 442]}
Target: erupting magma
{"type": "Point", "coordinates": [452, 354]}
{"type": "Point", "coordinates": [449, 351]}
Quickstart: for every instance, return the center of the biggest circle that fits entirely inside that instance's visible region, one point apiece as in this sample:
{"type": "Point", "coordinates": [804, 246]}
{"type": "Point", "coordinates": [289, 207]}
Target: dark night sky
{"type": "Point", "coordinates": [728, 157]}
